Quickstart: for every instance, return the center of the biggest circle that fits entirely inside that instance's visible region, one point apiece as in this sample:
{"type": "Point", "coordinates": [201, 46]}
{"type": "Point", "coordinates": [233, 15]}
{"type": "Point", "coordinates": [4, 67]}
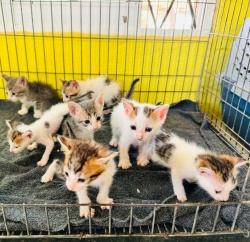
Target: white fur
{"type": "Point", "coordinates": [37, 133]}
{"type": "Point", "coordinates": [124, 136]}
{"type": "Point", "coordinates": [98, 85]}
{"type": "Point", "coordinates": [183, 165]}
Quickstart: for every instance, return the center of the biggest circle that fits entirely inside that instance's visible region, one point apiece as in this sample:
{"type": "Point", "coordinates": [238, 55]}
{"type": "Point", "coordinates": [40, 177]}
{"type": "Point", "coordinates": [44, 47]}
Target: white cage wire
{"type": "Point", "coordinates": [181, 49]}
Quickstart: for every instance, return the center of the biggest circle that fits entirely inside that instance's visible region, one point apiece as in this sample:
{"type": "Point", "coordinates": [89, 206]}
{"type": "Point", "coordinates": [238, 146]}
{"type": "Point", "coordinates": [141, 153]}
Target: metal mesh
{"type": "Point", "coordinates": [48, 40]}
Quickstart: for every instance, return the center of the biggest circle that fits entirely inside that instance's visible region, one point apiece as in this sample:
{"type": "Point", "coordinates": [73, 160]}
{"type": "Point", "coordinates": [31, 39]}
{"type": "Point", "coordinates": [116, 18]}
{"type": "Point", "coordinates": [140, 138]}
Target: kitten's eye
{"type": "Point", "coordinates": [66, 173]}
{"type": "Point", "coordinates": [148, 129]}
{"type": "Point", "coordinates": [13, 94]}
{"type": "Point", "coordinates": [86, 121]}
{"type": "Point", "coordinates": [66, 96]}
{"type": "Point", "coordinates": [217, 192]}
{"type": "Point", "coordinates": [133, 127]}
{"type": "Point", "coordinates": [15, 146]}
{"type": "Point", "coordinates": [81, 180]}
{"type": "Point", "coordinates": [98, 118]}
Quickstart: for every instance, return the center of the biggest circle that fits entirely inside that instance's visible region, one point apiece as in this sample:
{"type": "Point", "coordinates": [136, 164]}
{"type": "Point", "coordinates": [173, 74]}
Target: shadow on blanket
{"type": "Point", "coordinates": [20, 182]}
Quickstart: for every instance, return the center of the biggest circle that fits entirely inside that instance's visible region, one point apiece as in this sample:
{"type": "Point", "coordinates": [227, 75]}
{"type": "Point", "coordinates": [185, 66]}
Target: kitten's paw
{"type": "Point", "coordinates": [84, 212]}
{"type": "Point", "coordinates": [22, 112]}
{"type": "Point", "coordinates": [32, 147]}
{"type": "Point", "coordinates": [113, 142]}
{"type": "Point", "coordinates": [42, 163]}
{"type": "Point", "coordinates": [124, 164]}
{"type": "Point", "coordinates": [46, 178]}
{"type": "Point", "coordinates": [182, 198]}
{"type": "Point", "coordinates": [37, 114]}
{"type": "Point", "coordinates": [105, 201]}
{"type": "Point", "coordinates": [143, 162]}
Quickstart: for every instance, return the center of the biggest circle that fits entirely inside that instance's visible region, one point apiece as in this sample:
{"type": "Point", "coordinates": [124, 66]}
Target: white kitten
{"type": "Point", "coordinates": [87, 163]}
{"type": "Point", "coordinates": [20, 135]}
{"type": "Point", "coordinates": [135, 124]}
{"type": "Point", "coordinates": [215, 173]}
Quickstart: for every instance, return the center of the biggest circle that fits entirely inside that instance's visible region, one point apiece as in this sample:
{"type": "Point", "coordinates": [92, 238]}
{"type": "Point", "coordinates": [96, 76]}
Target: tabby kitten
{"type": "Point", "coordinates": [135, 124]}
{"type": "Point", "coordinates": [31, 94]}
{"type": "Point", "coordinates": [21, 136]}
{"type": "Point", "coordinates": [215, 173]}
{"type": "Point", "coordinates": [86, 163]}
{"type": "Point", "coordinates": [84, 118]}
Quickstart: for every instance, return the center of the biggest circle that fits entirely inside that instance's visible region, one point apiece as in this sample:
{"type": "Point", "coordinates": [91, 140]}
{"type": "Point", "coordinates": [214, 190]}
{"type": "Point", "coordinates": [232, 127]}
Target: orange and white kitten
{"type": "Point", "coordinates": [86, 163]}
{"type": "Point", "coordinates": [21, 136]}
{"type": "Point", "coordinates": [215, 173]}
{"type": "Point", "coordinates": [135, 124]}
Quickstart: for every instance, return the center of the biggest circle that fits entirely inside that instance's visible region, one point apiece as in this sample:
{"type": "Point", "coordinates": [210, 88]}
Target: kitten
{"type": "Point", "coordinates": [31, 94]}
{"type": "Point", "coordinates": [21, 136]}
{"type": "Point", "coordinates": [86, 163]}
{"type": "Point", "coordinates": [86, 117]}
{"type": "Point", "coordinates": [215, 173]}
{"type": "Point", "coordinates": [136, 124]}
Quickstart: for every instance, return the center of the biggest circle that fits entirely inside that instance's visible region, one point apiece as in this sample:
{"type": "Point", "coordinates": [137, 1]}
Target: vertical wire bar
{"type": "Point", "coordinates": [153, 221]}
{"type": "Point", "coordinates": [26, 219]}
{"type": "Point", "coordinates": [179, 58]}
{"type": "Point", "coordinates": [110, 219]}
{"type": "Point", "coordinates": [34, 39]}
{"type": "Point", "coordinates": [90, 222]}
{"type": "Point", "coordinates": [152, 59]}
{"type": "Point", "coordinates": [216, 218]}
{"type": "Point", "coordinates": [108, 35]}
{"type": "Point", "coordinates": [131, 219]}
{"type": "Point", "coordinates": [5, 220]}
{"type": "Point", "coordinates": [90, 39]}
{"type": "Point", "coordinates": [174, 219]}
{"type": "Point", "coordinates": [81, 29]}
{"type": "Point", "coordinates": [100, 38]}
{"type": "Point", "coordinates": [47, 218]}
{"type": "Point", "coordinates": [117, 39]}
{"type": "Point", "coordinates": [44, 55]}
{"type": "Point", "coordinates": [53, 38]}
{"type": "Point", "coordinates": [62, 36]}
{"type": "Point", "coordinates": [24, 37]}
{"type": "Point", "coordinates": [126, 38]}
{"type": "Point", "coordinates": [195, 219]}
{"type": "Point", "coordinates": [68, 219]}
{"type": "Point", "coordinates": [6, 42]}
{"type": "Point", "coordinates": [14, 35]}
{"type": "Point", "coordinates": [71, 40]}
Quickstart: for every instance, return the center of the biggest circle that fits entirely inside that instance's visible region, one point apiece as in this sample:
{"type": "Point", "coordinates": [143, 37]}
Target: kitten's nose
{"type": "Point", "coordinates": [139, 136]}
{"type": "Point", "coordinates": [70, 187]}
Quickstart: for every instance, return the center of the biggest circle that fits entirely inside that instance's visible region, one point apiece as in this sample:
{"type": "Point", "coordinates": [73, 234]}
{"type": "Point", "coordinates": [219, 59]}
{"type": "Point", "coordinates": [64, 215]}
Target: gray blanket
{"type": "Point", "coordinates": [20, 182]}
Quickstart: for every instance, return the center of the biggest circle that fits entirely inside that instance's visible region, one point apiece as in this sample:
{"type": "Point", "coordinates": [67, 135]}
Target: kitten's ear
{"type": "Point", "coordinates": [107, 156]}
{"type": "Point", "coordinates": [160, 112]}
{"type": "Point", "coordinates": [65, 142]}
{"type": "Point", "coordinates": [99, 101]}
{"type": "Point", "coordinates": [75, 84]}
{"type": "Point", "coordinates": [5, 77]}
{"type": "Point", "coordinates": [11, 124]}
{"type": "Point", "coordinates": [62, 81]}
{"type": "Point", "coordinates": [128, 107]}
{"type": "Point", "coordinates": [28, 134]}
{"type": "Point", "coordinates": [74, 108]}
{"type": "Point", "coordinates": [22, 81]}
{"type": "Point", "coordinates": [236, 161]}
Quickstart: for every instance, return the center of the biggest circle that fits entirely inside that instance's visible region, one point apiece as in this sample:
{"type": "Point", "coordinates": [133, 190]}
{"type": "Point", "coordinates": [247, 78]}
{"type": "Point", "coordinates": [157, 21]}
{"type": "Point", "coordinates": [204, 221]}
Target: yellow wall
{"type": "Point", "coordinates": [169, 70]}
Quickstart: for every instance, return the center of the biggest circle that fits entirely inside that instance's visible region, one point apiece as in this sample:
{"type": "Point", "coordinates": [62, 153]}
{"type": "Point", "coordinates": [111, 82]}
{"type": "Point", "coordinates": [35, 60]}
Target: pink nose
{"type": "Point", "coordinates": [11, 149]}
{"type": "Point", "coordinates": [139, 136]}
{"type": "Point", "coordinates": [70, 187]}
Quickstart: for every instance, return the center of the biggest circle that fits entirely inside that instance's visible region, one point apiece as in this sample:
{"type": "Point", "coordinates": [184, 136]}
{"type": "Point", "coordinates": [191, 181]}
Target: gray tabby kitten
{"type": "Point", "coordinates": [85, 117]}
{"type": "Point", "coordinates": [31, 94]}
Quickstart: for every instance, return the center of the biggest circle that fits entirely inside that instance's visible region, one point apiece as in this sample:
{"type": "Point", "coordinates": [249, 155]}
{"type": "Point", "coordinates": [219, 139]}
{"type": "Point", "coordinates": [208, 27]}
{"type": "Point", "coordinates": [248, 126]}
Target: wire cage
{"type": "Point", "coordinates": [194, 49]}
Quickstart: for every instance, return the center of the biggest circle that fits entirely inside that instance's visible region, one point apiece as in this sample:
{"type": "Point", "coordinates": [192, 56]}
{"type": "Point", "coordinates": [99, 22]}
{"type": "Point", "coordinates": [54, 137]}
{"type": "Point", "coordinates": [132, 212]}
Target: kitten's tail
{"type": "Point", "coordinates": [131, 89]}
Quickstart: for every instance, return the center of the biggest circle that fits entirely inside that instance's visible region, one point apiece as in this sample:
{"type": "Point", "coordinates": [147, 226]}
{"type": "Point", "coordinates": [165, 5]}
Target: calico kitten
{"type": "Point", "coordinates": [215, 173]}
{"type": "Point", "coordinates": [136, 124]}
{"type": "Point", "coordinates": [31, 94]}
{"type": "Point", "coordinates": [21, 136]}
{"type": "Point", "coordinates": [86, 116]}
{"type": "Point", "coordinates": [86, 163]}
